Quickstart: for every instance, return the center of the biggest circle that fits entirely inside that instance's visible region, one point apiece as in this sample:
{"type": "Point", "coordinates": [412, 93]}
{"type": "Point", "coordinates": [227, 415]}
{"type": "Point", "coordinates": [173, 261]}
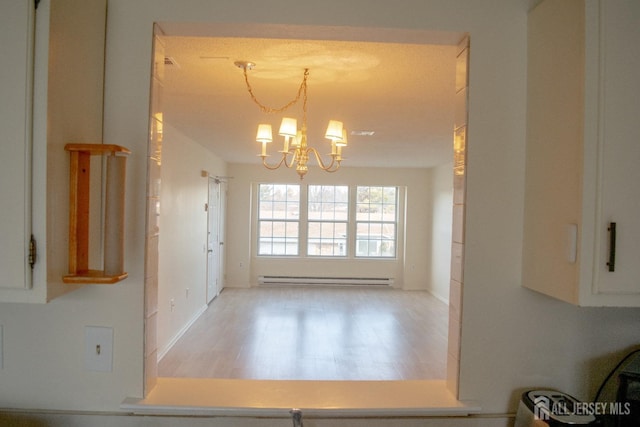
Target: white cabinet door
{"type": "Point", "coordinates": [16, 77]}
{"type": "Point", "coordinates": [583, 152]}
{"type": "Point", "coordinates": [619, 146]}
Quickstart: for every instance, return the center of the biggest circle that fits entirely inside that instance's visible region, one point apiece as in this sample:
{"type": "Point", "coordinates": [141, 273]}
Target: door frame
{"type": "Point", "coordinates": [214, 186]}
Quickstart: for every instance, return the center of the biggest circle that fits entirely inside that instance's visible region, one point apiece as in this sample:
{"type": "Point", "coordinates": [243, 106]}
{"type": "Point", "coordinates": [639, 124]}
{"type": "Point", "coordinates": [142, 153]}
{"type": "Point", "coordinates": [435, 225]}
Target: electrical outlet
{"type": "Point", "coordinates": [187, 293]}
{"type": "Point", "coordinates": [173, 304]}
{"type": "Point", "coordinates": [98, 348]}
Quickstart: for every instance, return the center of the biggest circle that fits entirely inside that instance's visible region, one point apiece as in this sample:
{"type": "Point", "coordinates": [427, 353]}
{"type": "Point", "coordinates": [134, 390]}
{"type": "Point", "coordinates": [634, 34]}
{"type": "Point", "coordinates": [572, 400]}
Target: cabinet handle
{"type": "Point", "coordinates": [612, 246]}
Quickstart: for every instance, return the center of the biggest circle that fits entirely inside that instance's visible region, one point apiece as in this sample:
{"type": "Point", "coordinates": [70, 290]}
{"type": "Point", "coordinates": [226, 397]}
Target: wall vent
{"type": "Point", "coordinates": [170, 61]}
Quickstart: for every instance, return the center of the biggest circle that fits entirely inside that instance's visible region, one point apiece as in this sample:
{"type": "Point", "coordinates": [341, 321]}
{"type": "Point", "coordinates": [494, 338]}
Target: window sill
{"type": "Point", "coordinates": [265, 398]}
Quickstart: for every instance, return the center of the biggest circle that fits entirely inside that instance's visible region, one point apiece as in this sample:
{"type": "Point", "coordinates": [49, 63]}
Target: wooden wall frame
{"type": "Point", "coordinates": [79, 196]}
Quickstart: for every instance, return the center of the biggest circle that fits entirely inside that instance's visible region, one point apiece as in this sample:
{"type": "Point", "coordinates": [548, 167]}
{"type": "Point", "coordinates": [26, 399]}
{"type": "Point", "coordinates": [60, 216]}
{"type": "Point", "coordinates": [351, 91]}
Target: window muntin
{"type": "Point", "coordinates": [328, 217]}
{"type": "Point", "coordinates": [278, 219]}
{"type": "Point", "coordinates": [376, 221]}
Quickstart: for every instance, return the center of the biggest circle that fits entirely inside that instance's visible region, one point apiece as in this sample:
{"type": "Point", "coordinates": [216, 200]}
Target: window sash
{"type": "Point", "coordinates": [327, 220]}
{"type": "Point", "coordinates": [375, 240]}
{"type": "Point", "coordinates": [376, 222]}
{"type": "Point", "coordinates": [278, 220]}
{"type": "Point", "coordinates": [325, 238]}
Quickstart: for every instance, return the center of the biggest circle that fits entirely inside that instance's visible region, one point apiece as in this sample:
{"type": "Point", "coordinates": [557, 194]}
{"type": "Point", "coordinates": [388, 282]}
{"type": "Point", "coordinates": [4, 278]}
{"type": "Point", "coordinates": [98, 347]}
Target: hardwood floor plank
{"type": "Point", "coordinates": [314, 333]}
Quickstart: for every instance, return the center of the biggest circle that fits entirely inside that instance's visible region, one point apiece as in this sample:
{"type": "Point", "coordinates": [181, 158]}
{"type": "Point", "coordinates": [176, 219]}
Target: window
{"type": "Point", "coordinates": [328, 217]}
{"type": "Point", "coordinates": [327, 221]}
{"type": "Point", "coordinates": [278, 219]}
{"type": "Point", "coordinates": [376, 218]}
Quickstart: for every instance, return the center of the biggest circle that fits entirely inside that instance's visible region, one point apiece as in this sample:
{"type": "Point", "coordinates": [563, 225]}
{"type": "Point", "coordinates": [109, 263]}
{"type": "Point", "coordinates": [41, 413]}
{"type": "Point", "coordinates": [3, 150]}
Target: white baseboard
{"type": "Point", "coordinates": [439, 297]}
{"type": "Point", "coordinates": [163, 352]}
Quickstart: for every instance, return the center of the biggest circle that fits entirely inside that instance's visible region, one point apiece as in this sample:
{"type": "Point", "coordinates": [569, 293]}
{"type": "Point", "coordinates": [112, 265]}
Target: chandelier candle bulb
{"type": "Point", "coordinates": [343, 141]}
{"type": "Point", "coordinates": [334, 130]}
{"type": "Point", "coordinates": [288, 127]}
{"type": "Point", "coordinates": [264, 136]}
{"type": "Point", "coordinates": [264, 133]}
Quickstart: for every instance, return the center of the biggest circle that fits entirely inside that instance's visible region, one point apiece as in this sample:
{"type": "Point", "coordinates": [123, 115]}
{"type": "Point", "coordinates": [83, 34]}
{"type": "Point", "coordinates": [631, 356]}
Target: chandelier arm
{"type": "Point", "coordinates": [266, 109]}
{"type": "Point", "coordinates": [276, 166]}
{"type": "Point", "coordinates": [293, 159]}
{"type": "Point", "coordinates": [332, 167]}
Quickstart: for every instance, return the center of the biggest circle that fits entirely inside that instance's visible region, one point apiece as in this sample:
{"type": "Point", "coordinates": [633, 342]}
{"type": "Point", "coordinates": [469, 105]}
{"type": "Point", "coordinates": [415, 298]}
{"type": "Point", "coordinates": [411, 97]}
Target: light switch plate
{"type": "Point", "coordinates": [98, 348]}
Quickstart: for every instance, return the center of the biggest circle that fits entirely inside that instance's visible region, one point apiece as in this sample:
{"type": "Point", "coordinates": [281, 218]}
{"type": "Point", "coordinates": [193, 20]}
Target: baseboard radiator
{"type": "Point", "coordinates": [300, 280]}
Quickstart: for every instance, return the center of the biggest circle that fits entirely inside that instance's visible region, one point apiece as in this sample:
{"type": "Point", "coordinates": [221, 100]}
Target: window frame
{"type": "Point", "coordinates": [286, 221]}
{"type": "Point", "coordinates": [351, 224]}
{"type": "Point", "coordinates": [382, 222]}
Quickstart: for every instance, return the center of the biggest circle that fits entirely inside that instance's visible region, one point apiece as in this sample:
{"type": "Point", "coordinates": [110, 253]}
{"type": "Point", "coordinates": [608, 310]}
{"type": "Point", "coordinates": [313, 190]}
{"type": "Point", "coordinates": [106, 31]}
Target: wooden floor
{"type": "Point", "coordinates": [314, 333]}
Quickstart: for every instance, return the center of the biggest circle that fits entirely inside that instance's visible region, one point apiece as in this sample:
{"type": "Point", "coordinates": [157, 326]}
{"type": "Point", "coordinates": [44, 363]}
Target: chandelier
{"type": "Point", "coordinates": [295, 151]}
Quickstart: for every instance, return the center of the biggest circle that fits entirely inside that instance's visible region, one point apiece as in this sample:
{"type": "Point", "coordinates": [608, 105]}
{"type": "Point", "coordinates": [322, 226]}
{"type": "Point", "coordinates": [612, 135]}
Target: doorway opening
{"type": "Point", "coordinates": [459, 148]}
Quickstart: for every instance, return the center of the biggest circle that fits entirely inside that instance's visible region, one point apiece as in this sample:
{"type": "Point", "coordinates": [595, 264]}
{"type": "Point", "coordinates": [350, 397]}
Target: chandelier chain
{"type": "Point", "coordinates": [302, 90]}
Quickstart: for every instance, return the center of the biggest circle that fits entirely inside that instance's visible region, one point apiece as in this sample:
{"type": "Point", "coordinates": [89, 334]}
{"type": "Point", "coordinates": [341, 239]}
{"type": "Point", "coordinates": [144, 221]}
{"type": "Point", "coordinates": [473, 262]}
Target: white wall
{"type": "Point", "coordinates": [409, 270]}
{"type": "Point", "coordinates": [441, 180]}
{"type": "Point", "coordinates": [511, 338]}
{"type": "Point", "coordinates": [183, 233]}
{"type": "Point", "coordinates": [43, 345]}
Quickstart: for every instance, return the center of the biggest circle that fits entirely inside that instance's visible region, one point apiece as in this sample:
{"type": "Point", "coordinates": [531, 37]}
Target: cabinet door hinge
{"type": "Point", "coordinates": [33, 251]}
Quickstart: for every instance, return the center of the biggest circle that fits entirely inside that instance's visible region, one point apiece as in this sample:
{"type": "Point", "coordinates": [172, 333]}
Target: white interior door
{"type": "Point", "coordinates": [222, 208]}
{"type": "Point", "coordinates": [213, 240]}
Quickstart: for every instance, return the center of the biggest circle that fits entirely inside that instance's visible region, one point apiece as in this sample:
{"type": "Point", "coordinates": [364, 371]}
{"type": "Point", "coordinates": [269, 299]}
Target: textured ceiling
{"type": "Point", "coordinates": [404, 92]}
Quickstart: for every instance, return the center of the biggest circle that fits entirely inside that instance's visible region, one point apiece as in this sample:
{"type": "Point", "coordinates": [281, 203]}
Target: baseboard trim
{"type": "Point", "coordinates": [181, 332]}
